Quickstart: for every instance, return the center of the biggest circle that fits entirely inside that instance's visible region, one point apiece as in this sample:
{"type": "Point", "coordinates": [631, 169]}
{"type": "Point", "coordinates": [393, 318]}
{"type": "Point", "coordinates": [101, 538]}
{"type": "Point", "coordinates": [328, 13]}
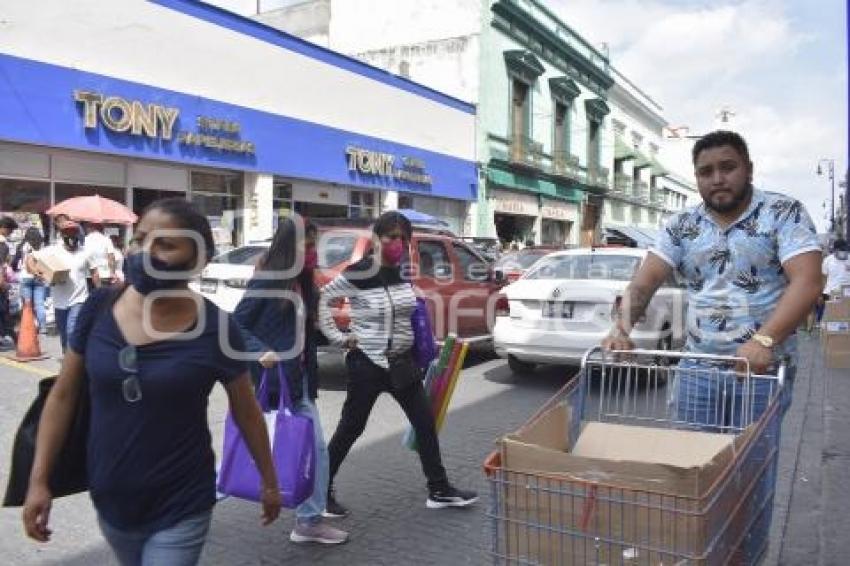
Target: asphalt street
{"type": "Point", "coordinates": [383, 486]}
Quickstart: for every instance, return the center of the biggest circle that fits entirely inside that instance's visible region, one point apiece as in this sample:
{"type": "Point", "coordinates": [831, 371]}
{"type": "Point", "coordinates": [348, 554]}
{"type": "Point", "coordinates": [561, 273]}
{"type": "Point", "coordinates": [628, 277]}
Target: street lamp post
{"type": "Point", "coordinates": [831, 172]}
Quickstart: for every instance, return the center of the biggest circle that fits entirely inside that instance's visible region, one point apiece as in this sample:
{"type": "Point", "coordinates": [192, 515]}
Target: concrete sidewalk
{"type": "Point", "coordinates": [812, 508]}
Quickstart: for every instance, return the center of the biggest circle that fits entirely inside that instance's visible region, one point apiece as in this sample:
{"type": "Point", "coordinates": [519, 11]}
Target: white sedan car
{"type": "Point", "coordinates": [565, 305]}
{"type": "Point", "coordinates": [224, 279]}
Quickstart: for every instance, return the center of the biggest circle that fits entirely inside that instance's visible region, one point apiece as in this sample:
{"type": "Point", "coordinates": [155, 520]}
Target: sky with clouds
{"type": "Point", "coordinates": [779, 65]}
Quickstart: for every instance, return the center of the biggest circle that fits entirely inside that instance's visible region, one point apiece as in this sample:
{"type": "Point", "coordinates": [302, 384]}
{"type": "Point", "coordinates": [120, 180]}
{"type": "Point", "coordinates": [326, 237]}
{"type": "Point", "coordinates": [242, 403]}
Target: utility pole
{"type": "Point", "coordinates": [831, 172]}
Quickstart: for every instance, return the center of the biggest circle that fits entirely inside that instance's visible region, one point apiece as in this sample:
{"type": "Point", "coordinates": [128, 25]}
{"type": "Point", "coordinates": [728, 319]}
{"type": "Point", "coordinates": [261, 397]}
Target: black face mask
{"type": "Point", "coordinates": [146, 283]}
{"type": "Point", "coordinates": [71, 242]}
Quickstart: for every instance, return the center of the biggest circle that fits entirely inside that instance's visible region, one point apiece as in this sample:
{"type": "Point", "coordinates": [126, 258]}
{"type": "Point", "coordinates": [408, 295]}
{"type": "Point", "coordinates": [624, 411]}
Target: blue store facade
{"type": "Point", "coordinates": [68, 130]}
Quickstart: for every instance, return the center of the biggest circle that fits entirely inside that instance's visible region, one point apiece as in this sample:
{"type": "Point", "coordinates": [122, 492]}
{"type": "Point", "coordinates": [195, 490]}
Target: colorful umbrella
{"type": "Point", "coordinates": [94, 208]}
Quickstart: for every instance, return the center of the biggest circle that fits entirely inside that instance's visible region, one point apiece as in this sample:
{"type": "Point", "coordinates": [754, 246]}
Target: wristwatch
{"type": "Point", "coordinates": [764, 340]}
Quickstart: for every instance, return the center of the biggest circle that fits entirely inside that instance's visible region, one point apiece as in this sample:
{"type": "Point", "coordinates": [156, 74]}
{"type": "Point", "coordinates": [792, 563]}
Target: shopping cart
{"type": "Point", "coordinates": [562, 518]}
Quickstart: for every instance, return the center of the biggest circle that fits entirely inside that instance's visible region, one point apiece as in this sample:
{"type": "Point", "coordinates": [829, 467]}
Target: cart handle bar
{"type": "Point", "coordinates": [780, 371]}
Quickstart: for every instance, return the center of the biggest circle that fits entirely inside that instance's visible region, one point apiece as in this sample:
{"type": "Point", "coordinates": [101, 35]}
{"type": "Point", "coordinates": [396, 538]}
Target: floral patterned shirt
{"type": "Point", "coordinates": [734, 275]}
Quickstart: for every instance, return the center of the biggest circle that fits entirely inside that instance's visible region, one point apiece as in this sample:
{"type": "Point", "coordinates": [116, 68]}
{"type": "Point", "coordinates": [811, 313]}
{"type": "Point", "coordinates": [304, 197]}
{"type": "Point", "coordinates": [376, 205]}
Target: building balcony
{"type": "Point", "coordinates": [565, 164]}
{"type": "Point", "coordinates": [622, 183]}
{"type": "Point", "coordinates": [640, 191]}
{"type": "Point", "coordinates": [525, 151]}
{"type": "Point", "coordinates": [598, 176]}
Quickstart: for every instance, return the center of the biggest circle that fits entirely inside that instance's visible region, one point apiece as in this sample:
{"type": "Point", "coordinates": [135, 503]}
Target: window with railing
{"type": "Point", "coordinates": [594, 132]}
{"type": "Point", "coordinates": [622, 183]}
{"type": "Point", "coordinates": [520, 109]}
{"type": "Point", "coordinates": [636, 214]}
{"type": "Point", "coordinates": [561, 129]}
{"type": "Point", "coordinates": [618, 211]}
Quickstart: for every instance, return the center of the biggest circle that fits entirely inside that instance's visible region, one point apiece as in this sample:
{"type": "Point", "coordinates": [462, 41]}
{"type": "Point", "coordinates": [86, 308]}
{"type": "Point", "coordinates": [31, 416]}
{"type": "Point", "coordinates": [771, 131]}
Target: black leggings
{"type": "Point", "coordinates": [366, 381]}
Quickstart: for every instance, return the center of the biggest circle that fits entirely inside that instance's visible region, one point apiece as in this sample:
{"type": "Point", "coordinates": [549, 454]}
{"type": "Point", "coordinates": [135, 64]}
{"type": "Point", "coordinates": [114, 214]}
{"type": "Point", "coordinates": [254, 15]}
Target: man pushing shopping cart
{"type": "Point", "coordinates": [751, 262]}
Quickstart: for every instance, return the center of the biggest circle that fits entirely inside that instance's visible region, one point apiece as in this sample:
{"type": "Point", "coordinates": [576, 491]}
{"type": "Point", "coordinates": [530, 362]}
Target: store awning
{"type": "Point", "coordinates": [623, 150]}
{"type": "Point", "coordinates": [518, 182]}
{"type": "Point", "coordinates": [658, 170]}
{"type": "Point", "coordinates": [638, 237]}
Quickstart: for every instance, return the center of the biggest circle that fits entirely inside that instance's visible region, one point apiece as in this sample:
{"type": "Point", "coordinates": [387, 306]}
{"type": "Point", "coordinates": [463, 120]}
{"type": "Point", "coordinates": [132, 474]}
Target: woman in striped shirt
{"type": "Point", "coordinates": [379, 357]}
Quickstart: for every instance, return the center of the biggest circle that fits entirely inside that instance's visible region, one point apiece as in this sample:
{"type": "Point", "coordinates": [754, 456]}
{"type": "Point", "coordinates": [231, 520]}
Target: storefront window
{"type": "Point", "coordinates": [26, 202]}
{"type": "Point", "coordinates": [218, 197]}
{"type": "Point", "coordinates": [405, 202]}
{"type": "Point", "coordinates": [281, 202]}
{"type": "Point", "coordinates": [362, 205]}
{"type": "Point", "coordinates": [65, 191]}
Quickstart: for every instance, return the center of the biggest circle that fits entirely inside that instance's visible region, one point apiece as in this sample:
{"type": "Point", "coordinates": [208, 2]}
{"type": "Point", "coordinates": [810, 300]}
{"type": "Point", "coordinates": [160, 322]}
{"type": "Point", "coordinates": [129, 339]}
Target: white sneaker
{"type": "Point", "coordinates": [320, 532]}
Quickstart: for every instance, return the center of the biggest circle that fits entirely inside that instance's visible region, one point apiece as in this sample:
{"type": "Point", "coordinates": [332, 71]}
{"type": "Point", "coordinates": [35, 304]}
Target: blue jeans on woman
{"type": "Point", "coordinates": [310, 511]}
{"type": "Point", "coordinates": [66, 320]}
{"type": "Point", "coordinates": [178, 545]}
{"type": "Point", "coordinates": [35, 290]}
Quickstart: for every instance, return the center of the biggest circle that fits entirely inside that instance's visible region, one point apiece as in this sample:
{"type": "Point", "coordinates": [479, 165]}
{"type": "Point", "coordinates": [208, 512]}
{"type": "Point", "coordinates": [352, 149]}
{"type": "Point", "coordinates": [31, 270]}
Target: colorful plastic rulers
{"type": "Point", "coordinates": [440, 381]}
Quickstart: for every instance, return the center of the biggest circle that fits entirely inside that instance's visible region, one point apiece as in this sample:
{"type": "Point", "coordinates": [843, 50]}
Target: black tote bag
{"type": "Point", "coordinates": [69, 472]}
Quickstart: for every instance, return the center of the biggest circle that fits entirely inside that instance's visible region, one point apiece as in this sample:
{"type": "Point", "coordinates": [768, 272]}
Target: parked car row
{"type": "Point", "coordinates": [534, 306]}
{"type": "Point", "coordinates": [458, 285]}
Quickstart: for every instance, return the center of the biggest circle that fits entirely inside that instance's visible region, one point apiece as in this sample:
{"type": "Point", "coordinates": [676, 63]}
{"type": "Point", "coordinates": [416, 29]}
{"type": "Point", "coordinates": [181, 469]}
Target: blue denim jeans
{"type": "Point", "coordinates": [310, 511]}
{"type": "Point", "coordinates": [35, 290]}
{"type": "Point", "coordinates": [66, 320]}
{"type": "Point", "coordinates": [716, 400]}
{"type": "Point", "coordinates": [178, 545]}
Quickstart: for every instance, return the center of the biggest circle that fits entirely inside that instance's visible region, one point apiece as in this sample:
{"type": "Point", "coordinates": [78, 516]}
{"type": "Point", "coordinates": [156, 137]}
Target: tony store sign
{"type": "Point", "coordinates": [155, 121]}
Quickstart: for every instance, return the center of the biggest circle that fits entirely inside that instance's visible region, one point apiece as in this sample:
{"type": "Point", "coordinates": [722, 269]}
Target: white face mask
{"type": "Point", "coordinates": [841, 255]}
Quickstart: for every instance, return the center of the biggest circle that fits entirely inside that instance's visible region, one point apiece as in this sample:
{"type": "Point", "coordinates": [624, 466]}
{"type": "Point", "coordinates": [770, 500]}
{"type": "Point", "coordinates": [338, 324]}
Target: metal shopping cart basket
{"type": "Point", "coordinates": [560, 516]}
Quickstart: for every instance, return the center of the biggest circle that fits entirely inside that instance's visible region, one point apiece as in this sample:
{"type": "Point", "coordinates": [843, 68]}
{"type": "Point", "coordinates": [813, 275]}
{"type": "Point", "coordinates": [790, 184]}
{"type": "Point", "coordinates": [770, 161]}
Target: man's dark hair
{"type": "Point", "coordinates": [390, 220]}
{"type": "Point", "coordinates": [719, 139]}
{"type": "Point", "coordinates": [8, 223]}
{"type": "Point", "coordinates": [840, 245]}
{"type": "Point", "coordinates": [188, 218]}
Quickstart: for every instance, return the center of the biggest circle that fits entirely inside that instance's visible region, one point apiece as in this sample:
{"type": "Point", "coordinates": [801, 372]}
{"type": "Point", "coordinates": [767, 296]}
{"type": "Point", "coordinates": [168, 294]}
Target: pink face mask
{"type": "Point", "coordinates": [392, 251]}
{"type": "Point", "coordinates": [311, 258]}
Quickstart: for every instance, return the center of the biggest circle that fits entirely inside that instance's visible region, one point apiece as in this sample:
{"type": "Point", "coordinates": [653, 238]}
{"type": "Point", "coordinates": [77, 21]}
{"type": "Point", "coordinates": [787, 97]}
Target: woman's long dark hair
{"type": "Point", "coordinates": [282, 256]}
{"type": "Point", "coordinates": [34, 237]}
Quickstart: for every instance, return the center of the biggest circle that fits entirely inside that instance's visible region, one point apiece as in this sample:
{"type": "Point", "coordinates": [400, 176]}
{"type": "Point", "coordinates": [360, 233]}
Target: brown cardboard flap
{"type": "Point", "coordinates": [541, 447]}
{"type": "Point", "coordinates": [678, 448]}
{"type": "Point", "coordinates": [837, 310]}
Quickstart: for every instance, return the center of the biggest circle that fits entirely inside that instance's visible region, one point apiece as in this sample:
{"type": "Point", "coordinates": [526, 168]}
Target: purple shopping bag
{"type": "Point", "coordinates": [293, 451]}
{"type": "Point", "coordinates": [424, 347]}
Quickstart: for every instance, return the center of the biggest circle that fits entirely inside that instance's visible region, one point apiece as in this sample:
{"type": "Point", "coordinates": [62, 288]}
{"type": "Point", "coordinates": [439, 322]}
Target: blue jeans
{"type": "Point", "coordinates": [66, 320]}
{"type": "Point", "coordinates": [310, 511]}
{"type": "Point", "coordinates": [35, 291]}
{"type": "Point", "coordinates": [178, 545]}
{"type": "Point", "coordinates": [715, 400]}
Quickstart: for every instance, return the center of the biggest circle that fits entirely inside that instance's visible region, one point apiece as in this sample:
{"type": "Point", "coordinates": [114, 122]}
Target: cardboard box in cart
{"type": "Point", "coordinates": [836, 326]}
{"type": "Point", "coordinates": [624, 494]}
{"type": "Point", "coordinates": [50, 267]}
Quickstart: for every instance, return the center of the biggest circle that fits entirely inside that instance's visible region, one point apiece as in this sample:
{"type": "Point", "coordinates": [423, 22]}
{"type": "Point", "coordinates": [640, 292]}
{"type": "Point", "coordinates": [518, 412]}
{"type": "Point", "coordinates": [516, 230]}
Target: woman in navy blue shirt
{"type": "Point", "coordinates": [278, 317]}
{"type": "Point", "coordinates": [151, 361]}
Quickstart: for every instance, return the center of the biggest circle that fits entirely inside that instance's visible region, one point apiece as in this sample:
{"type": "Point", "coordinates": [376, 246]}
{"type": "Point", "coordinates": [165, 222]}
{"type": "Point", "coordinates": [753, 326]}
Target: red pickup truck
{"type": "Point", "coordinates": [459, 286]}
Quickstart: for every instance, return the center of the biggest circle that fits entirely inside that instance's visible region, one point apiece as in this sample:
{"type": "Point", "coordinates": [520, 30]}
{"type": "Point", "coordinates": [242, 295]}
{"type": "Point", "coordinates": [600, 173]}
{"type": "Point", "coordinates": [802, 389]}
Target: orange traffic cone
{"type": "Point", "coordinates": [27, 349]}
